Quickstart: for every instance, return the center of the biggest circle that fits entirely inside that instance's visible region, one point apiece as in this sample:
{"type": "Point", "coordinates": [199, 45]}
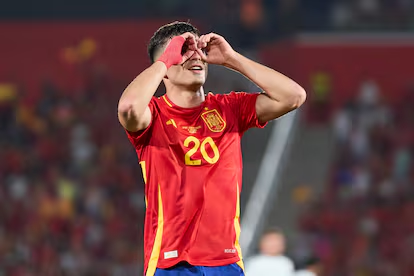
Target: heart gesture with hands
{"type": "Point", "coordinates": [212, 48]}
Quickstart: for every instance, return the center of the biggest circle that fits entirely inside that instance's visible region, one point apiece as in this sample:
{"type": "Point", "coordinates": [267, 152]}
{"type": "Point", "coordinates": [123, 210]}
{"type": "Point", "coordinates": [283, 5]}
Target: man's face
{"type": "Point", "coordinates": [191, 74]}
{"type": "Point", "coordinates": [272, 244]}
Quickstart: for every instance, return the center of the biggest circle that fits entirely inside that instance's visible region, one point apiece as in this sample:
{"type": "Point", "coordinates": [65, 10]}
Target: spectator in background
{"type": "Point", "coordinates": [342, 15]}
{"type": "Point", "coordinates": [251, 24]}
{"type": "Point", "coordinates": [271, 259]}
{"type": "Point", "coordinates": [321, 88]}
{"type": "Point", "coordinates": [288, 17]}
{"type": "Point", "coordinates": [368, 12]}
{"type": "Point", "coordinates": [312, 267]}
{"type": "Point", "coordinates": [342, 125]}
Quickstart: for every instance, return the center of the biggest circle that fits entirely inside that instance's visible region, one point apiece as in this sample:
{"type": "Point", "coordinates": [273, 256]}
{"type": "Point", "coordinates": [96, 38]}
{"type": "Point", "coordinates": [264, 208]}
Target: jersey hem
{"type": "Point", "coordinates": [201, 263]}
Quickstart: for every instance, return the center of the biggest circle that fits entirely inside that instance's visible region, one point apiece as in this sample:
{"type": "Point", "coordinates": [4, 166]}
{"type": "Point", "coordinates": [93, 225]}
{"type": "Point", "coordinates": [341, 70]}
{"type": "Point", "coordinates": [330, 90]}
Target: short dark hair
{"type": "Point", "coordinates": [166, 32]}
{"type": "Point", "coordinates": [273, 230]}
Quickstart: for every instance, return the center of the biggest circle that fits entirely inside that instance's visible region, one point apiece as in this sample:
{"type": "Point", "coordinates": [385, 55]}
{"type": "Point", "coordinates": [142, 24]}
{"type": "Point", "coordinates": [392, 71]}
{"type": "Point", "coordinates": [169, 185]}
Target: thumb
{"type": "Point", "coordinates": [187, 55]}
{"type": "Point", "coordinates": [202, 54]}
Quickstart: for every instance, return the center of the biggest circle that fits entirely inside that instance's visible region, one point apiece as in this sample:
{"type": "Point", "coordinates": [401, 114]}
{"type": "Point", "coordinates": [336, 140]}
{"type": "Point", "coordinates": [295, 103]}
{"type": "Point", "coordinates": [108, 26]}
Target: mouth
{"type": "Point", "coordinates": [196, 69]}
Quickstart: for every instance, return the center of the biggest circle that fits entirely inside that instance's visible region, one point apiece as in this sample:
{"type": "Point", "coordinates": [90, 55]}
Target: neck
{"type": "Point", "coordinates": [186, 98]}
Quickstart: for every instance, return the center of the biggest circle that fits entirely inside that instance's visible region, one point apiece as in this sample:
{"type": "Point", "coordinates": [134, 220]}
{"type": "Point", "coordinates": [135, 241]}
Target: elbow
{"type": "Point", "coordinates": [130, 117]}
{"type": "Point", "coordinates": [127, 112]}
{"type": "Point", "coordinates": [124, 109]}
{"type": "Point", "coordinates": [298, 97]}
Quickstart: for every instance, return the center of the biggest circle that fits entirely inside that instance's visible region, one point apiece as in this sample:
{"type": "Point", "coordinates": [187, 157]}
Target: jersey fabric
{"type": "Point", "coordinates": [192, 166]}
{"type": "Point", "coordinates": [190, 270]}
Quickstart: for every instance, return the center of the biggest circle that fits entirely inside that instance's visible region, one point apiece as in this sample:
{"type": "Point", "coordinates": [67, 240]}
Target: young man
{"type": "Point", "coordinates": [188, 144]}
{"type": "Point", "coordinates": [271, 259]}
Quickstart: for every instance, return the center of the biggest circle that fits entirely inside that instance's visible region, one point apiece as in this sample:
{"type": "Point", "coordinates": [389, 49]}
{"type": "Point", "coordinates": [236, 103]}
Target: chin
{"type": "Point", "coordinates": [195, 86]}
{"type": "Point", "coordinates": [198, 81]}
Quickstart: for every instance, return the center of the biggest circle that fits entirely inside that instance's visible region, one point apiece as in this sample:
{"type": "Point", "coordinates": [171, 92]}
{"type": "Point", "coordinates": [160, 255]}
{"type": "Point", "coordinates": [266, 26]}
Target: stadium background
{"type": "Point", "coordinates": [340, 182]}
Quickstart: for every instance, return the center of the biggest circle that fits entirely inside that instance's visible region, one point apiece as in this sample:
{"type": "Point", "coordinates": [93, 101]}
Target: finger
{"type": "Point", "coordinates": [187, 55]}
{"type": "Point", "coordinates": [192, 44]}
{"type": "Point", "coordinates": [189, 39]}
{"type": "Point", "coordinates": [201, 38]}
{"type": "Point", "coordinates": [206, 39]}
{"type": "Point", "coordinates": [202, 54]}
{"type": "Point", "coordinates": [213, 37]}
{"type": "Point", "coordinates": [210, 36]}
{"type": "Point", "coordinates": [187, 35]}
{"type": "Point", "coordinates": [201, 44]}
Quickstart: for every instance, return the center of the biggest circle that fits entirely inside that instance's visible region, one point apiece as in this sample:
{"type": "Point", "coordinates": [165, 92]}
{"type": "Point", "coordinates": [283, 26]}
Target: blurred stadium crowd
{"type": "Point", "coordinates": [71, 193]}
{"type": "Point", "coordinates": [71, 201]}
{"type": "Point", "coordinates": [362, 224]}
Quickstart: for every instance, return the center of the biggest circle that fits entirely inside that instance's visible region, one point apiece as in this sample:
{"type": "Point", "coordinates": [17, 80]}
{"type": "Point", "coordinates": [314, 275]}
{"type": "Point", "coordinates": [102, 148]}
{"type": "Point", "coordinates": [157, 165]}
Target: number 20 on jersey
{"type": "Point", "coordinates": [195, 144]}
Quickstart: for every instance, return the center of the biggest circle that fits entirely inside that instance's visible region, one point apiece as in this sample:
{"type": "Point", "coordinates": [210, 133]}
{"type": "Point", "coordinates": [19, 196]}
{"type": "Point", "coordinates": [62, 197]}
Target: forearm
{"type": "Point", "coordinates": [276, 85]}
{"type": "Point", "coordinates": [136, 97]}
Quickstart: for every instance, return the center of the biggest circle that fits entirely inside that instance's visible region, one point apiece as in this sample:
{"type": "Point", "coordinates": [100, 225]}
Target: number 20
{"type": "Point", "coordinates": [196, 146]}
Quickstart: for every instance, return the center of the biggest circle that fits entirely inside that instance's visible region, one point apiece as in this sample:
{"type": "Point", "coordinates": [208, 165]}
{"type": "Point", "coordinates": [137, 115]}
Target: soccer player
{"type": "Point", "coordinates": [188, 145]}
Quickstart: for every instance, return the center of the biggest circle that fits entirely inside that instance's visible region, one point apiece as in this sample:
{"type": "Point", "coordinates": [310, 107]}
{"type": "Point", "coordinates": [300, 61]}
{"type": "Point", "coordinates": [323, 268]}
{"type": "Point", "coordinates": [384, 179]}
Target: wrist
{"type": "Point", "coordinates": [161, 66]}
{"type": "Point", "coordinates": [233, 60]}
{"type": "Point", "coordinates": [165, 61]}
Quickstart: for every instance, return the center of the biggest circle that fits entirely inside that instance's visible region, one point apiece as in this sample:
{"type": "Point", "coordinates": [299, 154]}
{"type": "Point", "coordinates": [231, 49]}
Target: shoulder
{"type": "Point", "coordinates": [254, 262]}
{"type": "Point", "coordinates": [279, 264]}
{"type": "Point", "coordinates": [226, 95]}
{"type": "Point", "coordinates": [156, 104]}
{"type": "Point", "coordinates": [285, 260]}
{"type": "Point", "coordinates": [254, 259]}
{"type": "Point", "coordinates": [281, 261]}
{"type": "Point", "coordinates": [304, 273]}
{"type": "Point", "coordinates": [226, 98]}
{"type": "Point", "coordinates": [157, 100]}
{"type": "Point", "coordinates": [270, 259]}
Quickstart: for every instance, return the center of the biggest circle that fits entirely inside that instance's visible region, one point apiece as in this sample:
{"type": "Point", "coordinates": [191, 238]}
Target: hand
{"type": "Point", "coordinates": [214, 49]}
{"type": "Point", "coordinates": [179, 49]}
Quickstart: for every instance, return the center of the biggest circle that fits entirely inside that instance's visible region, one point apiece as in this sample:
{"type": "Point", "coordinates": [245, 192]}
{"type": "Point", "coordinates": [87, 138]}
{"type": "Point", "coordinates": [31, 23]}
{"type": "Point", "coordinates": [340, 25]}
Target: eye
{"type": "Point", "coordinates": [184, 49]}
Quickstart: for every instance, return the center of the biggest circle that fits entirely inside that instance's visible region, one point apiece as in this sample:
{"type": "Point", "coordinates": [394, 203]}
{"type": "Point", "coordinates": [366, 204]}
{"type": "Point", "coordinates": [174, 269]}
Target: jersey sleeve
{"type": "Point", "coordinates": [140, 138]}
{"type": "Point", "coordinates": [244, 107]}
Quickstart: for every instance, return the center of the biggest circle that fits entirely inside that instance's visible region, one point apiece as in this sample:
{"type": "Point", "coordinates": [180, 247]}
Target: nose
{"type": "Point", "coordinates": [195, 56]}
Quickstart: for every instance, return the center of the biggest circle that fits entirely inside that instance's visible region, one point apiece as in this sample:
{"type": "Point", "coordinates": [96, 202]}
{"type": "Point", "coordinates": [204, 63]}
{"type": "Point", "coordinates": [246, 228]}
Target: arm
{"type": "Point", "coordinates": [281, 93]}
{"type": "Point", "coordinates": [133, 111]}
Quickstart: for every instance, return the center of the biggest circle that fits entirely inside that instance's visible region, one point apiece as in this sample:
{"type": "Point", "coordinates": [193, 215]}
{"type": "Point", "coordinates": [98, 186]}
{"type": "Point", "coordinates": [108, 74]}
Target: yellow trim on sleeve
{"type": "Point", "coordinates": [156, 249]}
{"type": "Point", "coordinates": [237, 229]}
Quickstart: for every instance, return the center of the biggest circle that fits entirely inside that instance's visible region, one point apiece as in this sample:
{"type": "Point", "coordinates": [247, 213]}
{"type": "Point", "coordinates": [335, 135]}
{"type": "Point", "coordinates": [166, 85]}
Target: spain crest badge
{"type": "Point", "coordinates": [213, 120]}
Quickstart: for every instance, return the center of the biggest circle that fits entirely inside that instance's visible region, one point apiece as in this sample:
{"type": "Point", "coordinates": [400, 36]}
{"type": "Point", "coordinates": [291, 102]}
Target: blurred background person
{"type": "Point", "coordinates": [271, 259]}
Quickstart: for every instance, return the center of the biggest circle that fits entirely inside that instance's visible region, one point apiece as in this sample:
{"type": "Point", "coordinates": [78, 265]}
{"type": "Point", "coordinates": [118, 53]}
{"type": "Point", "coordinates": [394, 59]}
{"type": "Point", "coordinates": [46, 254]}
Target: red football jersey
{"type": "Point", "coordinates": [192, 165]}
